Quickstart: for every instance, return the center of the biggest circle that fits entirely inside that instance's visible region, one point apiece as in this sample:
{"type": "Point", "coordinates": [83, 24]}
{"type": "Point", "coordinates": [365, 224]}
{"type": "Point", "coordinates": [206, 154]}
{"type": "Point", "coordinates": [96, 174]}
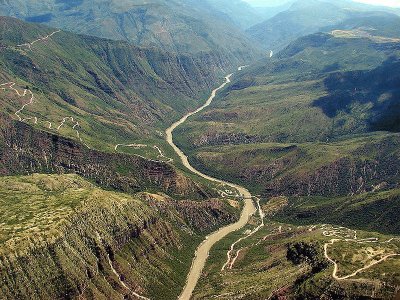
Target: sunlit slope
{"type": "Point", "coordinates": [183, 26]}
{"type": "Point", "coordinates": [62, 236]}
{"type": "Point", "coordinates": [320, 118]}
{"type": "Point", "coordinates": [116, 92]}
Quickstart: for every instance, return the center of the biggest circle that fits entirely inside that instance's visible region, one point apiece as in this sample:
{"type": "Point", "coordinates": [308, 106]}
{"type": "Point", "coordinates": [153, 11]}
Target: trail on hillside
{"type": "Point", "coordinates": [202, 251]}
{"type": "Point", "coordinates": [230, 261]}
{"type": "Point", "coordinates": [29, 45]}
{"type": "Point", "coordinates": [140, 146]}
{"type": "Point", "coordinates": [11, 86]}
{"type": "Point", "coordinates": [343, 234]}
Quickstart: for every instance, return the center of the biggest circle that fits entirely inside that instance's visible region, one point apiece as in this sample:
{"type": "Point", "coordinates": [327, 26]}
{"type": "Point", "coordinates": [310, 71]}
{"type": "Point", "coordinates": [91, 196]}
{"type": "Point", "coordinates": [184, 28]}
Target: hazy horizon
{"type": "Point", "coordinates": [391, 3]}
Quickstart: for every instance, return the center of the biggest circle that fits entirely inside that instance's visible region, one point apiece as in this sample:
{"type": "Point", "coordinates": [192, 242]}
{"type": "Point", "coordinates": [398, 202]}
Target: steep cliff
{"type": "Point", "coordinates": [76, 241]}
{"type": "Point", "coordinates": [25, 151]}
{"type": "Point", "coordinates": [334, 169]}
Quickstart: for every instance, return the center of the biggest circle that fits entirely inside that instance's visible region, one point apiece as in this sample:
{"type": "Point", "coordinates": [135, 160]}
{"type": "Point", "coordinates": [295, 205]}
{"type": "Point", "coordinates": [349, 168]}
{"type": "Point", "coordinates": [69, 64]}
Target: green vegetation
{"type": "Point", "coordinates": [117, 92]}
{"type": "Point", "coordinates": [70, 231]}
{"type": "Point", "coordinates": [286, 260]}
{"type": "Point", "coordinates": [177, 26]}
{"type": "Point", "coordinates": [368, 211]}
{"type": "Point", "coordinates": [265, 166]}
{"type": "Point", "coordinates": [313, 131]}
{"type": "Point", "coordinates": [38, 205]}
{"type": "Point", "coordinates": [320, 88]}
{"type": "Point", "coordinates": [309, 123]}
{"type": "Point", "coordinates": [316, 123]}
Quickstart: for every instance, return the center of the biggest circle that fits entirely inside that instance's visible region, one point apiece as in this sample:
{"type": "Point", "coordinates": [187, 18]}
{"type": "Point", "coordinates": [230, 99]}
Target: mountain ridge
{"type": "Point", "coordinates": [182, 27]}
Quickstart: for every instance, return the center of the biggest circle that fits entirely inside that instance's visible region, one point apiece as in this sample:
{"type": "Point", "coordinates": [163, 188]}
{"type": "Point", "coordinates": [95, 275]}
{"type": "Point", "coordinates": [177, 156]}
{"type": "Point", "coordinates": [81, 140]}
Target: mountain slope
{"type": "Point", "coordinates": [117, 93]}
{"type": "Point", "coordinates": [75, 240]}
{"type": "Point", "coordinates": [302, 130]}
{"type": "Point", "coordinates": [302, 122]}
{"type": "Point", "coordinates": [182, 26]}
{"type": "Point", "coordinates": [242, 14]}
{"type": "Point", "coordinates": [64, 98]}
{"type": "Point", "coordinates": [306, 17]}
{"type": "Point", "coordinates": [280, 99]}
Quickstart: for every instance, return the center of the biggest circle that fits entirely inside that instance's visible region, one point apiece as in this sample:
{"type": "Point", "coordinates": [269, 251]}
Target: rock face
{"type": "Point", "coordinates": [64, 267]}
{"type": "Point", "coordinates": [218, 138]}
{"type": "Point", "coordinates": [297, 171]}
{"type": "Point", "coordinates": [203, 216]}
{"type": "Point", "coordinates": [28, 151]}
{"type": "Point", "coordinates": [350, 175]}
{"type": "Point", "coordinates": [109, 245]}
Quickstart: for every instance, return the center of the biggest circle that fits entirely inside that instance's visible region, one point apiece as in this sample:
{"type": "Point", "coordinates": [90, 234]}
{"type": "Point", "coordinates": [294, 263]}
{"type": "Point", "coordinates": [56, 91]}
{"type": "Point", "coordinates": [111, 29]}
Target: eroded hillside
{"type": "Point", "coordinates": [63, 237]}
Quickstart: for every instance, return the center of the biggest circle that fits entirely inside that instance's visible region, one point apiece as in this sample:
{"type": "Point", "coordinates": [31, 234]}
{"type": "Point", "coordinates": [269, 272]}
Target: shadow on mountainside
{"type": "Point", "coordinates": [380, 87]}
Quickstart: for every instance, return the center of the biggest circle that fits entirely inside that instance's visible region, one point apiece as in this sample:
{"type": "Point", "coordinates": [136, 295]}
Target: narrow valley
{"type": "Point", "coordinates": [133, 168]}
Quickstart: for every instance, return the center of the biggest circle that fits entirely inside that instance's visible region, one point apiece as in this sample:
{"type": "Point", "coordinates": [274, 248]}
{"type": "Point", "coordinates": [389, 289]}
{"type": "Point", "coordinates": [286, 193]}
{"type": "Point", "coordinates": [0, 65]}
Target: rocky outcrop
{"type": "Point", "coordinates": [296, 171]}
{"type": "Point", "coordinates": [29, 151]}
{"type": "Point", "coordinates": [107, 245]}
{"type": "Point", "coordinates": [203, 216]}
{"type": "Point", "coordinates": [64, 266]}
{"type": "Point", "coordinates": [345, 176]}
{"type": "Point", "coordinates": [218, 138]}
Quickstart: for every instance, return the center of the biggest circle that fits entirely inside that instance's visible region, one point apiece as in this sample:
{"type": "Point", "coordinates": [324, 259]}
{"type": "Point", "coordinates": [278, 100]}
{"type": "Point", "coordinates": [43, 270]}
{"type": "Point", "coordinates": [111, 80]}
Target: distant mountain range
{"type": "Point", "coordinates": [305, 17]}
{"type": "Point", "coordinates": [176, 26]}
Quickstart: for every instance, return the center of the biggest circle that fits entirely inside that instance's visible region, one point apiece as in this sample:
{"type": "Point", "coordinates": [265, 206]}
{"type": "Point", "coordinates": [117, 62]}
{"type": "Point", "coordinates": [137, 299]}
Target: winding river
{"type": "Point", "coordinates": [249, 209]}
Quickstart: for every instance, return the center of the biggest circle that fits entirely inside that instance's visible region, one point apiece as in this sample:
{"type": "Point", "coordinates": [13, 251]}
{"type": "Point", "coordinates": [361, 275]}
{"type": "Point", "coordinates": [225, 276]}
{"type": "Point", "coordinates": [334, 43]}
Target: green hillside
{"type": "Point", "coordinates": [368, 211]}
{"type": "Point", "coordinates": [182, 26]}
{"type": "Point", "coordinates": [320, 88]}
{"type": "Point", "coordinates": [117, 93]}
{"type": "Point", "coordinates": [318, 119]}
{"type": "Point", "coordinates": [63, 237]}
{"type": "Point", "coordinates": [284, 260]}
{"type": "Point", "coordinates": [97, 203]}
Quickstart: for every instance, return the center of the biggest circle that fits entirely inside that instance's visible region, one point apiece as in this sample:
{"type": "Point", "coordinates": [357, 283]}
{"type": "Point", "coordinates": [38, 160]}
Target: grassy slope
{"type": "Point", "coordinates": [368, 211]}
{"type": "Point", "coordinates": [281, 100]}
{"type": "Point", "coordinates": [299, 112]}
{"type": "Point", "coordinates": [269, 126]}
{"type": "Point", "coordinates": [263, 268]}
{"type": "Point", "coordinates": [112, 88]}
{"type": "Point", "coordinates": [174, 26]}
{"type": "Point", "coordinates": [47, 218]}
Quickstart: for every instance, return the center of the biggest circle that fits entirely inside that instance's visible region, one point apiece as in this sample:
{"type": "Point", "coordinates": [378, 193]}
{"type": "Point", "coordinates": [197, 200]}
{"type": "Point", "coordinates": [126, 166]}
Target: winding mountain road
{"type": "Point", "coordinates": [343, 234]}
{"type": "Point", "coordinates": [30, 44]}
{"type": "Point", "coordinates": [249, 209]}
{"type": "Point", "coordinates": [11, 85]}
